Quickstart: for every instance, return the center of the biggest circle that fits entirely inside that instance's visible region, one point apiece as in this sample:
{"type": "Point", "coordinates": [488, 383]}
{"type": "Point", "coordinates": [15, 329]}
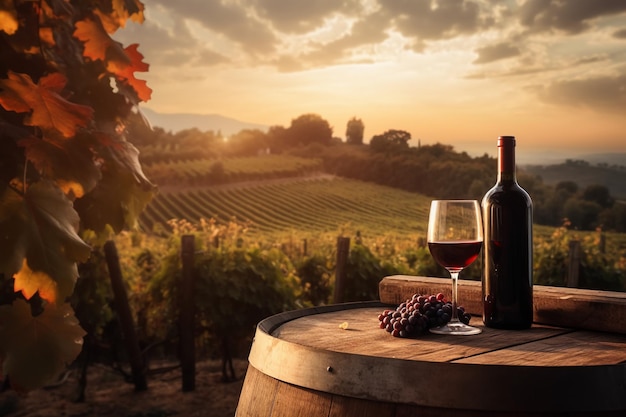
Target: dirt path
{"type": "Point", "coordinates": [109, 396]}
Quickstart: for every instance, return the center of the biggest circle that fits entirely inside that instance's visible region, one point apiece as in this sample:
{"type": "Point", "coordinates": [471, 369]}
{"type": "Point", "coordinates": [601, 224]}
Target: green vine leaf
{"type": "Point", "coordinates": [34, 350]}
{"type": "Point", "coordinates": [123, 192]}
{"type": "Point", "coordinates": [112, 204]}
{"type": "Point", "coordinates": [41, 228]}
{"type": "Point", "coordinates": [69, 161]}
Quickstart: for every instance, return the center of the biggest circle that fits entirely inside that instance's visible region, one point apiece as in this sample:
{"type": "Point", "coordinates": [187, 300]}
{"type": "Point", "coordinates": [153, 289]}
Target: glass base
{"type": "Point", "coordinates": [456, 328]}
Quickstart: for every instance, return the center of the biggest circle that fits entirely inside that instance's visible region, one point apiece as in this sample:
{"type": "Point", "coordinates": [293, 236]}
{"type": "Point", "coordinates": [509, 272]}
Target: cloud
{"type": "Point", "coordinates": [228, 20]}
{"type": "Point", "coordinates": [302, 16]}
{"type": "Point", "coordinates": [418, 22]}
{"type": "Point", "coordinates": [300, 35]}
{"type": "Point", "coordinates": [174, 46]}
{"type": "Point", "coordinates": [620, 34]}
{"type": "Point", "coordinates": [571, 16]}
{"type": "Point", "coordinates": [604, 93]}
{"type": "Point", "coordinates": [428, 21]}
{"type": "Point", "coordinates": [496, 52]}
{"type": "Point", "coordinates": [368, 31]}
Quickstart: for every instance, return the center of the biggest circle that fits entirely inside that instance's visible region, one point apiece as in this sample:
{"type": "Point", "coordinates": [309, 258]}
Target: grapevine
{"type": "Point", "coordinates": [67, 91]}
{"type": "Point", "coordinates": [418, 314]}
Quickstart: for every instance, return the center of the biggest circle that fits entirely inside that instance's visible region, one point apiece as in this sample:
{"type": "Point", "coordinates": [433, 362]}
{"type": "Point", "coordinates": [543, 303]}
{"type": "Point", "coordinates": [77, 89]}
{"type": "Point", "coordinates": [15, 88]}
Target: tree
{"type": "Point", "coordinates": [308, 129]}
{"type": "Point", "coordinates": [247, 142]}
{"type": "Point", "coordinates": [391, 140]}
{"type": "Point", "coordinates": [570, 187]}
{"type": "Point", "coordinates": [66, 90]}
{"type": "Point", "coordinates": [614, 218]}
{"type": "Point", "coordinates": [354, 131]}
{"type": "Point", "coordinates": [277, 138]}
{"type": "Point", "coordinates": [598, 194]}
{"type": "Point", "coordinates": [583, 214]}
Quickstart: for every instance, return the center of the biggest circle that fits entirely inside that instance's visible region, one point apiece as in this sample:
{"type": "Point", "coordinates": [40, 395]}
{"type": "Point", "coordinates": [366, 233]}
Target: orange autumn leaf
{"type": "Point", "coordinates": [47, 36]}
{"type": "Point", "coordinates": [129, 9]}
{"type": "Point", "coordinates": [8, 18]}
{"type": "Point", "coordinates": [125, 71]}
{"type": "Point", "coordinates": [29, 282]}
{"type": "Point", "coordinates": [48, 109]}
{"type": "Point", "coordinates": [122, 10]}
{"type": "Point", "coordinates": [96, 40]}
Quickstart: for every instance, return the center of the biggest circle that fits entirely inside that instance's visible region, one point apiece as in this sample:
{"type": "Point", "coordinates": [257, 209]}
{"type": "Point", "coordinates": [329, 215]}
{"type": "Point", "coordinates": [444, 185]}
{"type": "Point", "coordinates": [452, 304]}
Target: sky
{"type": "Point", "coordinates": [459, 72]}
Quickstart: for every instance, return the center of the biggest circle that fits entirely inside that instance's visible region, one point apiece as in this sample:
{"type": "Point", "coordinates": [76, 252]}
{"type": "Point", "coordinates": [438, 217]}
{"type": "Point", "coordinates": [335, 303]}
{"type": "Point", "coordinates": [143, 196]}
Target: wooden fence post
{"type": "Point", "coordinates": [343, 250]}
{"type": "Point", "coordinates": [574, 263]}
{"type": "Point", "coordinates": [187, 313]}
{"type": "Point", "coordinates": [602, 243]}
{"type": "Point", "coordinates": [125, 316]}
{"type": "Point", "coordinates": [304, 247]}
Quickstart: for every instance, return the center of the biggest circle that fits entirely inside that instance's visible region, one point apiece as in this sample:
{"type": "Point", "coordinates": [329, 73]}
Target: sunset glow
{"type": "Point", "coordinates": [456, 72]}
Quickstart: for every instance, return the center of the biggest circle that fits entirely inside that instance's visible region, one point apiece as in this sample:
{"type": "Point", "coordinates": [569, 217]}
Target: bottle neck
{"type": "Point", "coordinates": [506, 159]}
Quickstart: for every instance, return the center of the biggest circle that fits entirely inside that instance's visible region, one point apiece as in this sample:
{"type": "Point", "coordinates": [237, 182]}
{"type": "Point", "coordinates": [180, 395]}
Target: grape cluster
{"type": "Point", "coordinates": [419, 313]}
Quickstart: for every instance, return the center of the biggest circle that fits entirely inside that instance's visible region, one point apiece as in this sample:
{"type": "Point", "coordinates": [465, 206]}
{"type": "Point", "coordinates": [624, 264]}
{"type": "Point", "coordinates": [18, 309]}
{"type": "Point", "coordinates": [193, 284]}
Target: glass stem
{"type": "Point", "coordinates": [455, 288]}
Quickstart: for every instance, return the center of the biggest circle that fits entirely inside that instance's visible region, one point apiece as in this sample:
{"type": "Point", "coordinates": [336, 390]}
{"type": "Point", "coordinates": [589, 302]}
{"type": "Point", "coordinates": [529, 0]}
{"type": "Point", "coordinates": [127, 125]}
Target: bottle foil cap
{"type": "Point", "coordinates": [505, 140]}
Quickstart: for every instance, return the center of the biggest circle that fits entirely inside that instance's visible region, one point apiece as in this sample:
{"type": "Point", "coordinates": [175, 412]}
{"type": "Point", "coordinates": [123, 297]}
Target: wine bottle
{"type": "Point", "coordinates": [507, 278]}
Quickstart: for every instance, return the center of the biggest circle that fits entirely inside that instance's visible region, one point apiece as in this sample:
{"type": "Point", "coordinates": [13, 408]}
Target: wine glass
{"type": "Point", "coordinates": [455, 236]}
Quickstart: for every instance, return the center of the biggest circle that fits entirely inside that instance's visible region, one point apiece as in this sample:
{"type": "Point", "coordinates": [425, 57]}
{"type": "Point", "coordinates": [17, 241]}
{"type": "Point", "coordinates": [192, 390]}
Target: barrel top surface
{"type": "Point", "coordinates": [341, 349]}
{"type": "Point", "coordinates": [537, 346]}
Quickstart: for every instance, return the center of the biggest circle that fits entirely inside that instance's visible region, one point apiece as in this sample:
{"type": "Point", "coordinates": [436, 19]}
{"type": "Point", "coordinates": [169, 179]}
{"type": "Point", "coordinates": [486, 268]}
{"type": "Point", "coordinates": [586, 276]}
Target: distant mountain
{"type": "Point", "coordinates": [176, 122]}
{"type": "Point", "coordinates": [542, 157]}
{"type": "Point", "coordinates": [604, 158]}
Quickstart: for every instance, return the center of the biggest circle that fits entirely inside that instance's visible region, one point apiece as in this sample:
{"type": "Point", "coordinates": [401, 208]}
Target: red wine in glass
{"type": "Point", "coordinates": [455, 237]}
{"type": "Point", "coordinates": [455, 255]}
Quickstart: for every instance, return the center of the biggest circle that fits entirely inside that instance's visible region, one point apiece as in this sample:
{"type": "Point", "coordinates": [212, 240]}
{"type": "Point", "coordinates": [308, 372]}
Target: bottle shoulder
{"type": "Point", "coordinates": [510, 192]}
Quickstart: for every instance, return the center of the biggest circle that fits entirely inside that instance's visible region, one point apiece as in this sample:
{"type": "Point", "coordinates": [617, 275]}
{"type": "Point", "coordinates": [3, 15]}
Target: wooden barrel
{"type": "Point", "coordinates": [304, 363]}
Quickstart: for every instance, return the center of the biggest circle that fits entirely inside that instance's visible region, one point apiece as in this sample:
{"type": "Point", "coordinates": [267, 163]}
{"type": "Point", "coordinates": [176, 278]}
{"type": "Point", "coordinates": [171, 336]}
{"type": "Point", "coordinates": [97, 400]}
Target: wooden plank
{"type": "Point", "coordinates": [257, 394]}
{"type": "Point", "coordinates": [557, 306]}
{"type": "Point", "coordinates": [295, 401]}
{"type": "Point", "coordinates": [580, 348]}
{"type": "Point", "coordinates": [355, 407]}
{"type": "Point", "coordinates": [396, 289]}
{"type": "Point", "coordinates": [322, 331]}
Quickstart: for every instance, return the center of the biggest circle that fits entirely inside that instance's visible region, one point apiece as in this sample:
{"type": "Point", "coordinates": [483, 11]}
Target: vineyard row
{"type": "Point", "coordinates": [307, 205]}
{"type": "Point", "coordinates": [194, 172]}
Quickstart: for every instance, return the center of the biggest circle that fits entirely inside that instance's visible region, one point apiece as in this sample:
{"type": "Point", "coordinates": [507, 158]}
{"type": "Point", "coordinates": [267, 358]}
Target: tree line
{"type": "Point", "coordinates": [437, 170]}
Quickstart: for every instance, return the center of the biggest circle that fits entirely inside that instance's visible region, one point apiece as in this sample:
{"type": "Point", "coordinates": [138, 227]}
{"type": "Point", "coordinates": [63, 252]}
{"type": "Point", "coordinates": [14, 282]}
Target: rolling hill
{"type": "Point", "coordinates": [584, 174]}
{"type": "Point", "coordinates": [176, 122]}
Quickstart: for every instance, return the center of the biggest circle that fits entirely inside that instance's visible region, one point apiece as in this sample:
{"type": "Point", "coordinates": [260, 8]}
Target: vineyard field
{"type": "Point", "coordinates": [174, 172]}
{"type": "Point", "coordinates": [314, 206]}
{"type": "Point", "coordinates": [309, 204]}
{"type": "Point", "coordinates": [305, 214]}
